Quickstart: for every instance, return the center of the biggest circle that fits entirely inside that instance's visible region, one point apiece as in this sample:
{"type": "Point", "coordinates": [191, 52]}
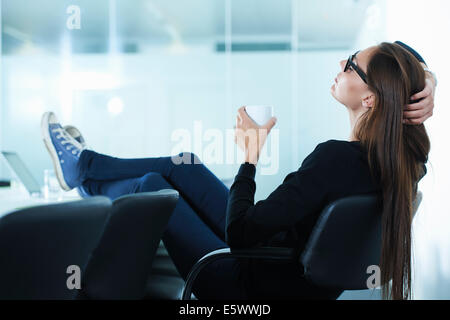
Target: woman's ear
{"type": "Point", "coordinates": [368, 101]}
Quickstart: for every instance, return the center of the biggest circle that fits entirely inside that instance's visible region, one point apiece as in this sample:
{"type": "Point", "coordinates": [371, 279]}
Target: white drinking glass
{"type": "Point", "coordinates": [52, 189]}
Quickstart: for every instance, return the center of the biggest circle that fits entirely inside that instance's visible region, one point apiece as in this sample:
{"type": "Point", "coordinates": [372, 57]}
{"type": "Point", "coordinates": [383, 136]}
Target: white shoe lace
{"type": "Point", "coordinates": [67, 139]}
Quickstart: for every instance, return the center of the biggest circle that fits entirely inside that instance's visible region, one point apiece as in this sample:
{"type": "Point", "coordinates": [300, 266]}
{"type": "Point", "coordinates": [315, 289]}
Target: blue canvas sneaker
{"type": "Point", "coordinates": [63, 149]}
{"type": "Point", "coordinates": [76, 134]}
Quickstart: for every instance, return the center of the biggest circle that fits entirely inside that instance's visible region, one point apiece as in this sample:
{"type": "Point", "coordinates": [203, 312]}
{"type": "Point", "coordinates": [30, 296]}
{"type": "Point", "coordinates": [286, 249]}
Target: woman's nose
{"type": "Point", "coordinates": [342, 64]}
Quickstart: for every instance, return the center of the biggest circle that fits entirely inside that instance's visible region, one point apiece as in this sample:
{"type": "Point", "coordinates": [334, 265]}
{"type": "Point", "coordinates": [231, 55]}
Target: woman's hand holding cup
{"type": "Point", "coordinates": [251, 136]}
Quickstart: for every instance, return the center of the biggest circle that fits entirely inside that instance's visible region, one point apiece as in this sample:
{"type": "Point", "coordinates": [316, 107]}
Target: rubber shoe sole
{"type": "Point", "coordinates": [52, 151]}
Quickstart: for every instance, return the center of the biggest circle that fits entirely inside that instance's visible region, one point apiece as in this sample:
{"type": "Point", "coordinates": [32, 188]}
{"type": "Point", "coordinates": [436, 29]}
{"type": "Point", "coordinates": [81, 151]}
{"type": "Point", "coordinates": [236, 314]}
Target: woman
{"type": "Point", "coordinates": [384, 155]}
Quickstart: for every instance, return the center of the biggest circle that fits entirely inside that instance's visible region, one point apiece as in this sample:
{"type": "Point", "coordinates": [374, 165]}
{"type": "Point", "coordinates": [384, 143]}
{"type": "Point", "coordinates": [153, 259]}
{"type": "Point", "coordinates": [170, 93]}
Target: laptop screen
{"type": "Point", "coordinates": [22, 172]}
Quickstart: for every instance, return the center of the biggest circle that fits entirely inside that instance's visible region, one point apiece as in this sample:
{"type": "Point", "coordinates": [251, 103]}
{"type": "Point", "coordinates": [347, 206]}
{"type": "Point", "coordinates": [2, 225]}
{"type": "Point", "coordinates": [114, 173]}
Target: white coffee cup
{"type": "Point", "coordinates": [259, 113]}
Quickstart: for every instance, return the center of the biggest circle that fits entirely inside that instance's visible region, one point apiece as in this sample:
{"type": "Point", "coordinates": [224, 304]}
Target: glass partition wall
{"type": "Point", "coordinates": [151, 78]}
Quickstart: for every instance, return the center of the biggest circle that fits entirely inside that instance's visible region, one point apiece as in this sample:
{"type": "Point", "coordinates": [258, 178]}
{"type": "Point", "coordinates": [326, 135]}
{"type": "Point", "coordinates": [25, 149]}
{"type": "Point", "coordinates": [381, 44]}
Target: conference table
{"type": "Point", "coordinates": [14, 198]}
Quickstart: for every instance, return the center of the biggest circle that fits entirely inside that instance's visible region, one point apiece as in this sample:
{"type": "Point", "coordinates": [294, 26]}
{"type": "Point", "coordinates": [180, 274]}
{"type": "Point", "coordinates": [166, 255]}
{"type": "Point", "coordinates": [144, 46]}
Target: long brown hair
{"type": "Point", "coordinates": [396, 153]}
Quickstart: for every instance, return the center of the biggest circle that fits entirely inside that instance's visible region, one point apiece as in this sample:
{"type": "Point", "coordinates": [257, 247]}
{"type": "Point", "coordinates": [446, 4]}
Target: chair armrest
{"type": "Point", "coordinates": [273, 253]}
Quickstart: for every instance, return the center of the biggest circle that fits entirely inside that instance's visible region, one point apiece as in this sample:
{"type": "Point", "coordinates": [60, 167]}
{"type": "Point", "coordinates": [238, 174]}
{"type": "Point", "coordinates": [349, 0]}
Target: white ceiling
{"type": "Point", "coordinates": [321, 23]}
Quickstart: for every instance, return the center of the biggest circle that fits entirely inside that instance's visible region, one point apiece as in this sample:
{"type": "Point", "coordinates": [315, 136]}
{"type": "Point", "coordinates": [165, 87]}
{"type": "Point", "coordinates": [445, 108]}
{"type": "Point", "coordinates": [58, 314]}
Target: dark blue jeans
{"type": "Point", "coordinates": [197, 225]}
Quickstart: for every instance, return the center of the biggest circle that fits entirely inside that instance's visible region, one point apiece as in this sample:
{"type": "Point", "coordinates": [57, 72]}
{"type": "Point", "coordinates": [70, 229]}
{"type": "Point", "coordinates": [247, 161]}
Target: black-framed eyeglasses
{"type": "Point", "coordinates": [351, 64]}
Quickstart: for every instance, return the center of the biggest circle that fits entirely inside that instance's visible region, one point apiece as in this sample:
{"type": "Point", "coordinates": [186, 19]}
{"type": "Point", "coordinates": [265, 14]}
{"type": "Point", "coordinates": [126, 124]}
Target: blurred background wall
{"type": "Point", "coordinates": [137, 72]}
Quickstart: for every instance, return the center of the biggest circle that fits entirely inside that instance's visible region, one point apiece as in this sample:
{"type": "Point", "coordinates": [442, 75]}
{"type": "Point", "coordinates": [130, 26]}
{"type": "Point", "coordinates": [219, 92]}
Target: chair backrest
{"type": "Point", "coordinates": [345, 241]}
{"type": "Point", "coordinates": [38, 244]}
{"type": "Point", "coordinates": [121, 264]}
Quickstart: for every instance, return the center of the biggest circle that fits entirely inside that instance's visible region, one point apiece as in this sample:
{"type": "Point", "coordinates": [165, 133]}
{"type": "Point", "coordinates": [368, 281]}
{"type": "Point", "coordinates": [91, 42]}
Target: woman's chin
{"type": "Point", "coordinates": [333, 90]}
{"type": "Point", "coordinates": [334, 94]}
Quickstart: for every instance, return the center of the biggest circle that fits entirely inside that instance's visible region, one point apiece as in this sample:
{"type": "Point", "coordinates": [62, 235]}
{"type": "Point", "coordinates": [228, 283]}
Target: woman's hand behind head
{"type": "Point", "coordinates": [420, 111]}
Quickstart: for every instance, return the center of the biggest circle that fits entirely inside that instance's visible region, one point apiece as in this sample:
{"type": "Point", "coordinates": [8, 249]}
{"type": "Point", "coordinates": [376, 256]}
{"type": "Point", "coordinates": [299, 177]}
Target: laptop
{"type": "Point", "coordinates": [20, 169]}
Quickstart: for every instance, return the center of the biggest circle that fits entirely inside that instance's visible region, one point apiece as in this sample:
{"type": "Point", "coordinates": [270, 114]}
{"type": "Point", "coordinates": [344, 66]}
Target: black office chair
{"type": "Point", "coordinates": [345, 241]}
{"type": "Point", "coordinates": [39, 243]}
{"type": "Point", "coordinates": [121, 264]}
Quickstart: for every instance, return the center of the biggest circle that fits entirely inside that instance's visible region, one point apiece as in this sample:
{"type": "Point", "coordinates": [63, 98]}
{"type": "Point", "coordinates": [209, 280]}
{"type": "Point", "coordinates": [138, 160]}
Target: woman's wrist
{"type": "Point", "coordinates": [430, 75]}
{"type": "Point", "coordinates": [251, 159]}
